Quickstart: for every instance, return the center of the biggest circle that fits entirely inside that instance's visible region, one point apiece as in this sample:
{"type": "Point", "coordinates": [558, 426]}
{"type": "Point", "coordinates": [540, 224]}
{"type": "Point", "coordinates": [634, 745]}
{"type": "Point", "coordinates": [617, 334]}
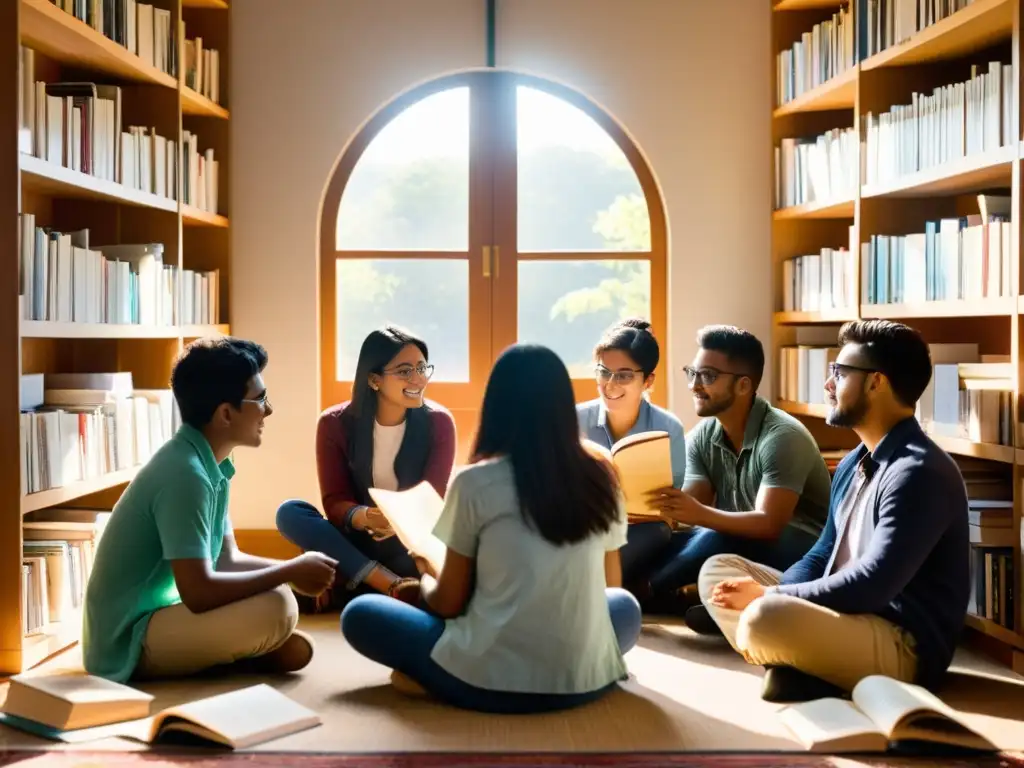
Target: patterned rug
{"type": "Point", "coordinates": [79, 759]}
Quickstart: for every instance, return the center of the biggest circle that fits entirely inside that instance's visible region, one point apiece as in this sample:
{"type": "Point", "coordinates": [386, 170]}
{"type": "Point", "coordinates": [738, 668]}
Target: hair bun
{"type": "Point", "coordinates": [639, 323]}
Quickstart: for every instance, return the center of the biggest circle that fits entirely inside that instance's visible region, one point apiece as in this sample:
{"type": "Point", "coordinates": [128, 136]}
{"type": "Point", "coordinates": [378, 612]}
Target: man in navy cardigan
{"type": "Point", "coordinates": [885, 589]}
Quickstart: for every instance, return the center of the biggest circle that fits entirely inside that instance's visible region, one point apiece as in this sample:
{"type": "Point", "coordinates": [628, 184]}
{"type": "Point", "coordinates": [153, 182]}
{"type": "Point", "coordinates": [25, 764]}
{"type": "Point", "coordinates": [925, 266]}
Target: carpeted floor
{"type": "Point", "coordinates": [687, 694]}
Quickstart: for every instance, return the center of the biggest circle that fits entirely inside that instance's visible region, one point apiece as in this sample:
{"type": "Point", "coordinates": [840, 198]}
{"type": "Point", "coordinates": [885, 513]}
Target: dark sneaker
{"type": "Point", "coordinates": [699, 620]}
{"type": "Point", "coordinates": [787, 684]}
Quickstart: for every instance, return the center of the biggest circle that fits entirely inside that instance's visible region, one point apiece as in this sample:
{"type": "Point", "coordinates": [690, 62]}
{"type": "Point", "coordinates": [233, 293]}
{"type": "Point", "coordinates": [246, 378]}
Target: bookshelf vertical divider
{"type": "Point", "coordinates": [193, 229]}
{"type": "Point", "coordinates": [897, 205]}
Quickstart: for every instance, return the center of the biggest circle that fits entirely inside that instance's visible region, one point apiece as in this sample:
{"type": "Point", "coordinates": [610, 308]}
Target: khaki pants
{"type": "Point", "coordinates": [786, 631]}
{"type": "Point", "coordinates": [179, 642]}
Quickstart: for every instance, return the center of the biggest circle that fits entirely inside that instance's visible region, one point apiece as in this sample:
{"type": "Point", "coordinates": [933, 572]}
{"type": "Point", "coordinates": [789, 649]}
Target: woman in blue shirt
{"type": "Point", "coordinates": [625, 361]}
{"type": "Point", "coordinates": [526, 614]}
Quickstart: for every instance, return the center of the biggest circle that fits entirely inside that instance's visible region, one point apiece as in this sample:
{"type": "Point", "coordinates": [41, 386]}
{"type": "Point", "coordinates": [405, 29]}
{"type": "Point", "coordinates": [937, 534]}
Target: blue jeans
{"type": "Point", "coordinates": [646, 545]}
{"type": "Point", "coordinates": [356, 551]}
{"type": "Point", "coordinates": [691, 548]}
{"type": "Point", "coordinates": [402, 637]}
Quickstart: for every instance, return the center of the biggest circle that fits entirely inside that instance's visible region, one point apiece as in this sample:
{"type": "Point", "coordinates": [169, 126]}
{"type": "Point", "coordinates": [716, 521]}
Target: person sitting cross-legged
{"type": "Point", "coordinates": [885, 589]}
{"type": "Point", "coordinates": [170, 594]}
{"type": "Point", "coordinates": [756, 483]}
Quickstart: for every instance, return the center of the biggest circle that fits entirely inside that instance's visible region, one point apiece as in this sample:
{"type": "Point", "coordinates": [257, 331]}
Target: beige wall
{"type": "Point", "coordinates": [698, 110]}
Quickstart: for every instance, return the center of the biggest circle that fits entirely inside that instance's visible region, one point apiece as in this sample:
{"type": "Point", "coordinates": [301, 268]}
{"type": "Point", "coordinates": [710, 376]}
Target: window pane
{"type": "Point", "coordinates": [409, 189]}
{"type": "Point", "coordinates": [577, 190]}
{"type": "Point", "coordinates": [567, 305]}
{"type": "Point", "coordinates": [429, 297]}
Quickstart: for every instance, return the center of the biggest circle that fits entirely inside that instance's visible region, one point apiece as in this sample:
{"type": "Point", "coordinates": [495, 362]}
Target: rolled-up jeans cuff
{"type": "Point", "coordinates": [360, 576]}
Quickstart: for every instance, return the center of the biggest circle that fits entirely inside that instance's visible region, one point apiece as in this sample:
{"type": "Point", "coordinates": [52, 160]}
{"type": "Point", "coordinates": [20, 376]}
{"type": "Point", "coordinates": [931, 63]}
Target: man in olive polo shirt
{"type": "Point", "coordinates": [756, 483]}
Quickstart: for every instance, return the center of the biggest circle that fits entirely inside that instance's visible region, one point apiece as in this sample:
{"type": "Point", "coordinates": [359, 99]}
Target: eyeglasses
{"type": "Point", "coordinates": [707, 376]}
{"type": "Point", "coordinates": [840, 371]}
{"type": "Point", "coordinates": [262, 401]}
{"type": "Point", "coordinates": [622, 378]}
{"type": "Point", "coordinates": [405, 372]}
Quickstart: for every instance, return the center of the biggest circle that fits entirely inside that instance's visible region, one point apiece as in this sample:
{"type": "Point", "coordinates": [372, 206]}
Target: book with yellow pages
{"type": "Point", "coordinates": [413, 513]}
{"type": "Point", "coordinates": [644, 464]}
{"type": "Point", "coordinates": [237, 720]}
{"type": "Point", "coordinates": [884, 714]}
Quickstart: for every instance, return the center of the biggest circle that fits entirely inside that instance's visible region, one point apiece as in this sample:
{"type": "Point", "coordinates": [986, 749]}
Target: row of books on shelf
{"type": "Point", "coordinates": [823, 52]}
{"type": "Point", "coordinates": [64, 278]}
{"type": "Point", "coordinates": [78, 125]}
{"type": "Point", "coordinates": [993, 589]}
{"type": "Point", "coordinates": [964, 257]}
{"type": "Point", "coordinates": [821, 168]}
{"type": "Point", "coordinates": [832, 46]}
{"type": "Point", "coordinates": [58, 549]}
{"type": "Point", "coordinates": [959, 258]}
{"type": "Point", "coordinates": [142, 29]}
{"type": "Point", "coordinates": [202, 68]}
{"type": "Point", "coordinates": [82, 426]}
{"type": "Point", "coordinates": [969, 396]}
{"type": "Point", "coordinates": [820, 281]}
{"type": "Point", "coordinates": [953, 121]}
{"type": "Point", "coordinates": [891, 22]}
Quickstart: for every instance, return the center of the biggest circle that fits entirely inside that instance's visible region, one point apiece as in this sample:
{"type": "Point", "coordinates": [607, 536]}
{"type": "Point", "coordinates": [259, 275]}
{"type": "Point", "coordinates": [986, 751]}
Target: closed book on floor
{"type": "Point", "coordinates": [413, 513]}
{"type": "Point", "coordinates": [884, 714]}
{"type": "Point", "coordinates": [236, 720]}
{"type": "Point", "coordinates": [69, 701]}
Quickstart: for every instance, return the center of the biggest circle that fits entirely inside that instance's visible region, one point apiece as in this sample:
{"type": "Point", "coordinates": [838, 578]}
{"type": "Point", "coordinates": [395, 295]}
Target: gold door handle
{"type": "Point", "coordinates": [487, 261]}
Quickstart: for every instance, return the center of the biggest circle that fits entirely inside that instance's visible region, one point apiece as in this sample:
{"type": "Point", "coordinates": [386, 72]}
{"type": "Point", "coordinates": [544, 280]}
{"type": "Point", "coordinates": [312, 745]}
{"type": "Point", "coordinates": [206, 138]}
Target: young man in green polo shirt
{"type": "Point", "coordinates": [170, 593]}
{"type": "Point", "coordinates": [756, 483]}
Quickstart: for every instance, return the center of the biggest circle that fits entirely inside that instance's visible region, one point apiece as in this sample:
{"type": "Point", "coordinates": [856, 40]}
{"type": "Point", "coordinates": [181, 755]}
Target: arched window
{"type": "Point", "coordinates": [480, 210]}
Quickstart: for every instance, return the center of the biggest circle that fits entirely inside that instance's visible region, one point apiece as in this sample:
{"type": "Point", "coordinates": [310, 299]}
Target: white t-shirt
{"type": "Point", "coordinates": [386, 442]}
{"type": "Point", "coordinates": [538, 619]}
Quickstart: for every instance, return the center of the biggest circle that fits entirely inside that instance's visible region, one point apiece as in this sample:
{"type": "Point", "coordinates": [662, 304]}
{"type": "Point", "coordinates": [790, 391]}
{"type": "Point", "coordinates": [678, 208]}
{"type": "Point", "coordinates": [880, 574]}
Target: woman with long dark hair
{"type": "Point", "coordinates": [387, 436]}
{"type": "Point", "coordinates": [526, 614]}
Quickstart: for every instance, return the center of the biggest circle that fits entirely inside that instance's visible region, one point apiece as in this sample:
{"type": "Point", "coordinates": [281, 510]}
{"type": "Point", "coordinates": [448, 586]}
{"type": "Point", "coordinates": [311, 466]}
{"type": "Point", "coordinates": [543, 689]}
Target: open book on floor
{"type": "Point", "coordinates": [413, 513]}
{"type": "Point", "coordinates": [644, 462]}
{"type": "Point", "coordinates": [884, 714]}
{"type": "Point", "coordinates": [236, 720]}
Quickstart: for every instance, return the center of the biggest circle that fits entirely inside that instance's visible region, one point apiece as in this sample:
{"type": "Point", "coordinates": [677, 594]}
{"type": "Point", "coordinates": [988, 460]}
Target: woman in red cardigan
{"type": "Point", "coordinates": [387, 436]}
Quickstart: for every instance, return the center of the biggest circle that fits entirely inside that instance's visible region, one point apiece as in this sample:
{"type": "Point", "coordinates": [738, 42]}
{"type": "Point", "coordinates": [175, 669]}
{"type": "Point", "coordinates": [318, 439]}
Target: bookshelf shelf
{"type": "Point", "coordinates": [838, 93]}
{"type": "Point", "coordinates": [51, 498]}
{"type": "Point", "coordinates": [193, 103]}
{"type": "Point", "coordinates": [809, 318]}
{"type": "Point", "coordinates": [1004, 454]}
{"type": "Point", "coordinates": [996, 307]}
{"type": "Point", "coordinates": [53, 215]}
{"type": "Point", "coordinates": [804, 409]}
{"type": "Point", "coordinates": [968, 174]}
{"type": "Point", "coordinates": [62, 37]}
{"type": "Point", "coordinates": [192, 216]}
{"type": "Point", "coordinates": [975, 27]}
{"type": "Point", "coordinates": [997, 631]}
{"type": "Point", "coordinates": [822, 209]}
{"type": "Point", "coordinates": [57, 637]}
{"type": "Point", "coordinates": [40, 329]}
{"type": "Point", "coordinates": [804, 5]}
{"type": "Point", "coordinates": [38, 175]}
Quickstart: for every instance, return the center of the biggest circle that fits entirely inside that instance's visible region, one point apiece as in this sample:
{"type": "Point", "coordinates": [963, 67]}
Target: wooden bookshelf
{"type": "Point", "coordinates": [68, 49]}
{"type": "Point", "coordinates": [884, 212]}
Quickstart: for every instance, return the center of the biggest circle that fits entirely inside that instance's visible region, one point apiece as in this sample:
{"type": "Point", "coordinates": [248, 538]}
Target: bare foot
{"type": "Point", "coordinates": [405, 684]}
